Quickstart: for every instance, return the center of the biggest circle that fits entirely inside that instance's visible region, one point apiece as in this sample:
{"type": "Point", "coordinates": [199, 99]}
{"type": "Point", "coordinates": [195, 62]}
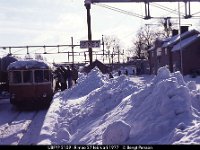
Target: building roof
{"type": "Point", "coordinates": [157, 43]}
{"type": "Point", "coordinates": [102, 67]}
{"type": "Point", "coordinates": [175, 39]}
{"type": "Point", "coordinates": [186, 42]}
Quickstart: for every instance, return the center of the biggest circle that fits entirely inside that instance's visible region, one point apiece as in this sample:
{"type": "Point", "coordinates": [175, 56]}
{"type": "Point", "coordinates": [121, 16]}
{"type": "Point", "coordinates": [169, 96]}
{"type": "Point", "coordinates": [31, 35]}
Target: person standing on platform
{"type": "Point", "coordinates": [74, 74]}
{"type": "Point", "coordinates": [69, 77]}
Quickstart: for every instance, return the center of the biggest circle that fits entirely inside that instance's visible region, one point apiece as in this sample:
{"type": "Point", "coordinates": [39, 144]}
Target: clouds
{"type": "Point", "coordinates": [42, 22]}
{"type": "Point", "coordinates": [38, 20]}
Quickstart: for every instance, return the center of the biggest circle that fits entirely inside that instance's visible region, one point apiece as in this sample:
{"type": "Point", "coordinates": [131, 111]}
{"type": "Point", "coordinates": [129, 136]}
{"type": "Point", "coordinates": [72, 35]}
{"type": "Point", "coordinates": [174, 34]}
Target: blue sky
{"type": "Point", "coordinates": [52, 22]}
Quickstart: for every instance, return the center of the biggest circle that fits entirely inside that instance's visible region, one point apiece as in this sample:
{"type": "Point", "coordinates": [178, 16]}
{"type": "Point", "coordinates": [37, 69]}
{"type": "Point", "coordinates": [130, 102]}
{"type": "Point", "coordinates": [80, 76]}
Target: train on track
{"type": "Point", "coordinates": [30, 83]}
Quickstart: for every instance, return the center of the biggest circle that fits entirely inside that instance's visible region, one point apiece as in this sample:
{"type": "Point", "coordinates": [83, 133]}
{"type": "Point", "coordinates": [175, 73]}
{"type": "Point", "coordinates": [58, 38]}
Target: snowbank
{"type": "Point", "coordinates": [99, 110]}
{"type": "Point", "coordinates": [86, 84]}
{"type": "Point", "coordinates": [116, 133]}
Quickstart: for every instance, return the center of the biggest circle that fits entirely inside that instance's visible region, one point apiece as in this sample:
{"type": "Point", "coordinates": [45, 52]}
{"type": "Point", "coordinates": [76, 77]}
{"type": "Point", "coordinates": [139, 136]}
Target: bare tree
{"type": "Point", "coordinates": [144, 40]}
{"type": "Point", "coordinates": [113, 47]}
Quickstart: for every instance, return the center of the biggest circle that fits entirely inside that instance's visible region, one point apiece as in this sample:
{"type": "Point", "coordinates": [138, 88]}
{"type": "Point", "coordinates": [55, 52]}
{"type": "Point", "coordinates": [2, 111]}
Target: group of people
{"type": "Point", "coordinates": [126, 72]}
{"type": "Point", "coordinates": [65, 77]}
{"type": "Point", "coordinates": [120, 72]}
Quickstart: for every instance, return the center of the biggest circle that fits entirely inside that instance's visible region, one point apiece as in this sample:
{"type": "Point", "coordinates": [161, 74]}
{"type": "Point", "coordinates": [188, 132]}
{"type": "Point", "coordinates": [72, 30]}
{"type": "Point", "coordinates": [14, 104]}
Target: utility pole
{"type": "Point", "coordinates": [88, 6]}
{"type": "Point", "coordinates": [68, 56]}
{"type": "Point", "coordinates": [181, 54]}
{"type": "Point", "coordinates": [103, 47]}
{"type": "Point", "coordinates": [112, 55]}
{"type": "Point", "coordinates": [123, 55]}
{"type": "Point", "coordinates": [109, 56]}
{"type": "Point", "coordinates": [167, 25]}
{"type": "Point", "coordinates": [118, 54]}
{"type": "Point", "coordinates": [10, 51]}
{"type": "Point", "coordinates": [72, 50]}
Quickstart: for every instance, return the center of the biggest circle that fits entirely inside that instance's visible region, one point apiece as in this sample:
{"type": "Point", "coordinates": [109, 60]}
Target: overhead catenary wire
{"type": "Point", "coordinates": [119, 10]}
{"type": "Point", "coordinates": [171, 11]}
{"type": "Point", "coordinates": [174, 11]}
{"type": "Point", "coordinates": [195, 13]}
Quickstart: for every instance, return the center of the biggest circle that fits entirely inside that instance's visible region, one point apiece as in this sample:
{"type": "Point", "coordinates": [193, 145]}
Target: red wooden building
{"type": "Point", "coordinates": [180, 52]}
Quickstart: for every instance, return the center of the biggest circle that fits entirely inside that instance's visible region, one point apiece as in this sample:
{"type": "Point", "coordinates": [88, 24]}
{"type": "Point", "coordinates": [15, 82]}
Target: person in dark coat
{"type": "Point", "coordinates": [126, 72]}
{"type": "Point", "coordinates": [57, 76]}
{"type": "Point", "coordinates": [74, 74]}
{"type": "Point", "coordinates": [133, 71]}
{"type": "Point", "coordinates": [119, 72]}
{"type": "Point", "coordinates": [69, 77]}
{"type": "Point", "coordinates": [62, 80]}
{"type": "Point", "coordinates": [64, 76]}
{"type": "Point", "coordinates": [110, 75]}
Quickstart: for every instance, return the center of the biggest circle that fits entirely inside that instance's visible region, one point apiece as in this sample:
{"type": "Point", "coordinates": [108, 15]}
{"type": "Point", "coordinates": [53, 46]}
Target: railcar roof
{"type": "Point", "coordinates": [28, 64]}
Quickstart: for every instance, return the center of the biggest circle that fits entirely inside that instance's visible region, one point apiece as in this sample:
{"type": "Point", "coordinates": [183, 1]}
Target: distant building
{"type": "Point", "coordinates": [180, 52]}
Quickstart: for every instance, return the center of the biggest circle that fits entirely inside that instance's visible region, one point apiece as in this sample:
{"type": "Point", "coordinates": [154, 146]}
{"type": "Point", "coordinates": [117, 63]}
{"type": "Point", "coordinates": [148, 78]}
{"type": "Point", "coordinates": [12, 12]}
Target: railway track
{"type": "Point", "coordinates": [14, 131]}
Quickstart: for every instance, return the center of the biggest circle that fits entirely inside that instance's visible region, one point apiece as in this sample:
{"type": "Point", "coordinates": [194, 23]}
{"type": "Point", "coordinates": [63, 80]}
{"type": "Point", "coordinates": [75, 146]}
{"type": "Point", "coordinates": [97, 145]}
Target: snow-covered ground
{"type": "Point", "coordinates": [162, 109]}
{"type": "Point", "coordinates": [19, 127]}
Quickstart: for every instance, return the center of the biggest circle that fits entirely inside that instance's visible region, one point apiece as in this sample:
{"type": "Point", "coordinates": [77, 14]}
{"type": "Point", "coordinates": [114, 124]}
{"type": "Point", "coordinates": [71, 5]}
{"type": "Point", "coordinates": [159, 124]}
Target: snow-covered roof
{"type": "Point", "coordinates": [151, 48]}
{"type": "Point", "coordinates": [182, 44]}
{"type": "Point", "coordinates": [28, 64]}
{"type": "Point", "coordinates": [161, 41]}
{"type": "Point", "coordinates": [176, 38]}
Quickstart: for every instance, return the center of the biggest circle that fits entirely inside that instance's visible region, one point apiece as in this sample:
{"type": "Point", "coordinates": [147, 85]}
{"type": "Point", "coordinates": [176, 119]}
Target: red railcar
{"type": "Point", "coordinates": [30, 83]}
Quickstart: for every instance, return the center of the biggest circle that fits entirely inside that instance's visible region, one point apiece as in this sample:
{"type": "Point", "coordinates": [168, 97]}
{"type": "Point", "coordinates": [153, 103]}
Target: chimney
{"type": "Point", "coordinates": [184, 29]}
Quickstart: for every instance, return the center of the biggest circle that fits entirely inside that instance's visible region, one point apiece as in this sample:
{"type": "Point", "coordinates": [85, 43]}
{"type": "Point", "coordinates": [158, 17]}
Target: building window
{"type": "Point", "coordinates": [159, 50]}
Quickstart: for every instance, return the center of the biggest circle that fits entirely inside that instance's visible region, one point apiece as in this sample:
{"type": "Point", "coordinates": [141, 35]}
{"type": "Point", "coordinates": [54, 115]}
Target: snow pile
{"type": "Point", "coordinates": [75, 108]}
{"type": "Point", "coordinates": [86, 84]}
{"type": "Point", "coordinates": [116, 133]}
{"type": "Point", "coordinates": [159, 108]}
{"type": "Point", "coordinates": [119, 111]}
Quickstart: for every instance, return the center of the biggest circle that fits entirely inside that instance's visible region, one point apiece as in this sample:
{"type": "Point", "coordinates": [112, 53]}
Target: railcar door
{"type": "Point", "coordinates": [43, 86]}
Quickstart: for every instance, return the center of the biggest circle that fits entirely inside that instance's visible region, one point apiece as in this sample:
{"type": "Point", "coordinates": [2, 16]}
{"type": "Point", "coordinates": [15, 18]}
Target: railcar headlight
{"type": "Point", "coordinates": [44, 95]}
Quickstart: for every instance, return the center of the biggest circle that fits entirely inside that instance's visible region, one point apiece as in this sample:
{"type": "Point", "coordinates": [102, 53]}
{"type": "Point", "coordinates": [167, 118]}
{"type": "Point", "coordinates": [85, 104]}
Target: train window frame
{"type": "Point", "coordinates": [47, 75]}
{"type": "Point", "coordinates": [30, 75]}
{"type": "Point", "coordinates": [13, 78]}
{"type": "Point", "coordinates": [44, 78]}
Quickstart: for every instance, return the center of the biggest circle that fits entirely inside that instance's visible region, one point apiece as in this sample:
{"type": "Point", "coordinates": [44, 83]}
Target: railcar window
{"type": "Point", "coordinates": [38, 75]}
{"type": "Point", "coordinates": [27, 76]}
{"type": "Point", "coordinates": [46, 75]}
{"type": "Point", "coordinates": [41, 75]}
{"type": "Point", "coordinates": [16, 78]}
